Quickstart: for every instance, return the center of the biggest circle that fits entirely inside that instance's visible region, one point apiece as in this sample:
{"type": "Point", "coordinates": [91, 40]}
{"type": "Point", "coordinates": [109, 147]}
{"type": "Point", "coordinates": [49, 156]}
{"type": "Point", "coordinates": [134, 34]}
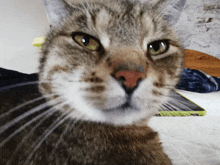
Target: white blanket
{"type": "Point", "coordinates": [192, 140]}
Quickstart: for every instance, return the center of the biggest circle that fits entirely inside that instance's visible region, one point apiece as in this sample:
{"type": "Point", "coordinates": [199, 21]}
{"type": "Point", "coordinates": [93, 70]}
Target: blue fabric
{"type": "Point", "coordinates": [198, 81]}
{"type": "Point", "coordinates": [10, 77]}
{"type": "Point", "coordinates": [191, 80]}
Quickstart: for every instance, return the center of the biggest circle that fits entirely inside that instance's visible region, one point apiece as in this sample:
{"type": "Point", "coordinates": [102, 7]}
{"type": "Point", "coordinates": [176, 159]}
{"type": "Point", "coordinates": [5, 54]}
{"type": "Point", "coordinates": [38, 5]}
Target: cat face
{"type": "Point", "coordinates": [113, 62]}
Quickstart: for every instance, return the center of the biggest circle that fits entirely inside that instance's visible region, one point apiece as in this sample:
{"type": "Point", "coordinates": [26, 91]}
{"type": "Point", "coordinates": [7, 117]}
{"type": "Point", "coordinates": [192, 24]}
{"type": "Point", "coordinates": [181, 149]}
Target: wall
{"type": "Point", "coordinates": [21, 21]}
{"type": "Point", "coordinates": [199, 26]}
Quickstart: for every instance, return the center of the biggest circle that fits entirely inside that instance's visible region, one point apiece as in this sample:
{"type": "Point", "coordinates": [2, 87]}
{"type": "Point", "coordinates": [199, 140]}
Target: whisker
{"type": "Point", "coordinates": [46, 133]}
{"type": "Point", "coordinates": [32, 131]}
{"type": "Point", "coordinates": [24, 104]}
{"type": "Point", "coordinates": [59, 140]}
{"type": "Point", "coordinates": [167, 107]}
{"type": "Point", "coordinates": [164, 108]}
{"type": "Point", "coordinates": [25, 84]}
{"type": "Point", "coordinates": [32, 111]}
{"type": "Point", "coordinates": [170, 108]}
{"type": "Point", "coordinates": [176, 96]}
{"type": "Point", "coordinates": [177, 103]}
{"type": "Point", "coordinates": [177, 99]}
{"type": "Point", "coordinates": [181, 104]}
{"type": "Point", "coordinates": [48, 113]}
{"type": "Point", "coordinates": [175, 106]}
{"type": "Point", "coordinates": [19, 85]}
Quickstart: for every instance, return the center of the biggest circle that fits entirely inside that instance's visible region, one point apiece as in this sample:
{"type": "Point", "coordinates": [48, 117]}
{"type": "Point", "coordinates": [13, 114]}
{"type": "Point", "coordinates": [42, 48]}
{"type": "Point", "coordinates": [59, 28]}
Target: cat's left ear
{"type": "Point", "coordinates": [170, 10]}
{"type": "Point", "coordinates": [56, 11]}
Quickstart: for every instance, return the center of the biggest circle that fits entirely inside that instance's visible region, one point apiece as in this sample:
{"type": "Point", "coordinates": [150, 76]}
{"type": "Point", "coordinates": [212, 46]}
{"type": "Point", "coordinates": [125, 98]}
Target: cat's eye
{"type": "Point", "coordinates": [86, 41]}
{"type": "Point", "coordinates": [158, 47]}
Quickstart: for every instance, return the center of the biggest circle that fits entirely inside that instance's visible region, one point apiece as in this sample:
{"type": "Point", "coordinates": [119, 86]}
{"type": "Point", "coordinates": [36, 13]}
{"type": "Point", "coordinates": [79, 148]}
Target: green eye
{"type": "Point", "coordinates": [158, 47]}
{"type": "Point", "coordinates": [86, 41]}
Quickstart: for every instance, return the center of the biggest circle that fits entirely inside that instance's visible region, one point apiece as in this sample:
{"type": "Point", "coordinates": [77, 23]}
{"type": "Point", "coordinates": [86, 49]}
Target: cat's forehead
{"type": "Point", "coordinates": [121, 21]}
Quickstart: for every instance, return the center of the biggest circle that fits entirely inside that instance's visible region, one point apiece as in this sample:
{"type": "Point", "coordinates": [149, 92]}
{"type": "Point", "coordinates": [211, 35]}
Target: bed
{"type": "Point", "coordinates": [194, 140]}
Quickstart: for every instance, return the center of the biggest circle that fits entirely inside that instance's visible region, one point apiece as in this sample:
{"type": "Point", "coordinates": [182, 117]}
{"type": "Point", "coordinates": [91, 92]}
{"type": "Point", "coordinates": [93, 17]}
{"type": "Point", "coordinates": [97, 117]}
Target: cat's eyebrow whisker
{"type": "Point", "coordinates": [30, 112]}
{"type": "Point", "coordinates": [46, 133]}
{"type": "Point", "coordinates": [85, 9]}
{"type": "Point", "coordinates": [24, 104]}
{"type": "Point", "coordinates": [48, 113]}
{"type": "Point", "coordinates": [88, 5]}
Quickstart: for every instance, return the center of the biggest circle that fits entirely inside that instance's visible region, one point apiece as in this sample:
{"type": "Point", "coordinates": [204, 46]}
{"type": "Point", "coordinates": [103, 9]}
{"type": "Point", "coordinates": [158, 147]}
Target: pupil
{"type": "Point", "coordinates": [156, 46]}
{"type": "Point", "coordinates": [85, 41]}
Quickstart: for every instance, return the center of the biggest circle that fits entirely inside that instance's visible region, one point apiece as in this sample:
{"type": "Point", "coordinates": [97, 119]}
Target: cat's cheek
{"type": "Point", "coordinates": [142, 97]}
{"type": "Point", "coordinates": [75, 98]}
{"type": "Point", "coordinates": [145, 99]}
{"type": "Point", "coordinates": [69, 88]}
{"type": "Point", "coordinates": [113, 96]}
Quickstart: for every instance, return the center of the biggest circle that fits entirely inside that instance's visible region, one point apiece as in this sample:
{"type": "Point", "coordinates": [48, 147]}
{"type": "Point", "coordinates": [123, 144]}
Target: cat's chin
{"type": "Point", "coordinates": [127, 106]}
{"type": "Point", "coordinates": [121, 111]}
{"type": "Point", "coordinates": [125, 114]}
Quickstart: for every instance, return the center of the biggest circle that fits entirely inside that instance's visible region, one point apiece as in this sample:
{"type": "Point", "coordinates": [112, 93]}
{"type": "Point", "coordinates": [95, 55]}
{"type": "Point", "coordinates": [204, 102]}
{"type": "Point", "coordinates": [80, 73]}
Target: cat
{"type": "Point", "coordinates": [106, 67]}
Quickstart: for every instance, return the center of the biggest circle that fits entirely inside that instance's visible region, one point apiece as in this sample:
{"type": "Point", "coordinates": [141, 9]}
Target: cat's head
{"type": "Point", "coordinates": [109, 61]}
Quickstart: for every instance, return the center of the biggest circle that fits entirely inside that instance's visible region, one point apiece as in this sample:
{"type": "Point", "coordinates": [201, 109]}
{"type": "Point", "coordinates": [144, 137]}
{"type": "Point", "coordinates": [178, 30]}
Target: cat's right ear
{"type": "Point", "coordinates": [56, 11]}
{"type": "Point", "coordinates": [170, 10]}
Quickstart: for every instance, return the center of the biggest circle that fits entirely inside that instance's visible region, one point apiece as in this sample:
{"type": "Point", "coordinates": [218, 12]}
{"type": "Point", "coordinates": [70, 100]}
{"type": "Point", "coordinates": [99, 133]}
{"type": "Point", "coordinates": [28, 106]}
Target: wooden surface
{"type": "Point", "coordinates": [203, 62]}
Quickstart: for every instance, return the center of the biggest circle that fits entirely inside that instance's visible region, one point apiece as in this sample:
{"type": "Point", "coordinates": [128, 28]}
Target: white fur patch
{"type": "Point", "coordinates": [145, 43]}
{"type": "Point", "coordinates": [103, 17]}
{"type": "Point", "coordinates": [105, 40]}
{"type": "Point", "coordinates": [72, 89]}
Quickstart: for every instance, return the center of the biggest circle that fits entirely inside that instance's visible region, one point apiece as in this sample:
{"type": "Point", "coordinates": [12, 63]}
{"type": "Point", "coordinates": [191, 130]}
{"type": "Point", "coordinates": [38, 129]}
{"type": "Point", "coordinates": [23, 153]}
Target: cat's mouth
{"type": "Point", "coordinates": [127, 105]}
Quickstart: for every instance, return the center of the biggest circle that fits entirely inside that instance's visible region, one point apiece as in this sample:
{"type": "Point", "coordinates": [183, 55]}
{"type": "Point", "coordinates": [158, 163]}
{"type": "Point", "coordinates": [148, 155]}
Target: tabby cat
{"type": "Point", "coordinates": [106, 67]}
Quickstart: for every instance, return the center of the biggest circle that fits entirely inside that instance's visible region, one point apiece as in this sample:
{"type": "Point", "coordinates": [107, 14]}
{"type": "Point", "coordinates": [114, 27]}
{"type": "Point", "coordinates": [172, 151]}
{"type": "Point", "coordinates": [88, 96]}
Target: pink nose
{"type": "Point", "coordinates": [129, 78]}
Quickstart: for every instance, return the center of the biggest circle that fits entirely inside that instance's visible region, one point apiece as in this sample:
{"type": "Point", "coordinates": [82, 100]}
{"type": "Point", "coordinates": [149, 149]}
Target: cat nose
{"type": "Point", "coordinates": [129, 79]}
